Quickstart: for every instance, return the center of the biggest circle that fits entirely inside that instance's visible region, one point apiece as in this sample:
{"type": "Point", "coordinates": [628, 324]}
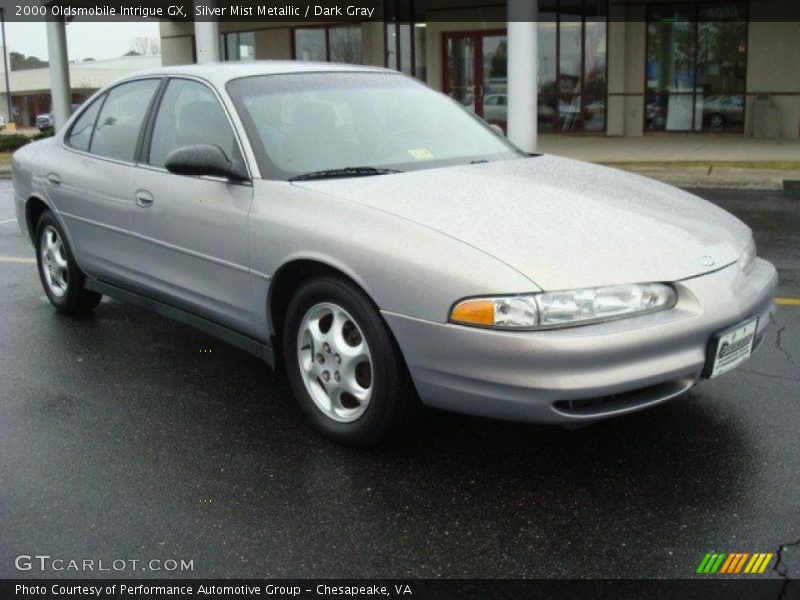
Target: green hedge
{"type": "Point", "coordinates": [45, 133]}
{"type": "Point", "coordinates": [13, 141]}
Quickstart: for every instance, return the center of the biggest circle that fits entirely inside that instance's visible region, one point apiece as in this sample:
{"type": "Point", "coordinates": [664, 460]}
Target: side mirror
{"type": "Point", "coordinates": [204, 159]}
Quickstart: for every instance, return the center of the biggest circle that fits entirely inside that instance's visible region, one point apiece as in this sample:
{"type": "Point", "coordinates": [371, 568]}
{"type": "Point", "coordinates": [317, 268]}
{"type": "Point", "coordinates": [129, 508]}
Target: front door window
{"type": "Point", "coordinates": [190, 115]}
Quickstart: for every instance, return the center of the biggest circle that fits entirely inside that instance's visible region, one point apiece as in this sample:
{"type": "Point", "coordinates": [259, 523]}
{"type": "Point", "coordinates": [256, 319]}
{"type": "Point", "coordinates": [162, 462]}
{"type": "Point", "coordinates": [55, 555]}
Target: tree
{"type": "Point", "coordinates": [144, 46]}
{"type": "Point", "coordinates": [19, 62]}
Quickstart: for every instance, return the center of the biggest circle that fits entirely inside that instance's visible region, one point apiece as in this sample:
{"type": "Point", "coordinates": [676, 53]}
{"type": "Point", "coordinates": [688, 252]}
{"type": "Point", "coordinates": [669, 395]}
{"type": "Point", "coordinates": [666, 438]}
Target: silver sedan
{"type": "Point", "coordinates": [386, 248]}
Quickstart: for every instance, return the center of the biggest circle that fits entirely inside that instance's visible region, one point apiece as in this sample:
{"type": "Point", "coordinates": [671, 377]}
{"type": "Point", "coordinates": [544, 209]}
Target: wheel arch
{"type": "Point", "coordinates": [34, 207]}
{"type": "Point", "coordinates": [287, 280]}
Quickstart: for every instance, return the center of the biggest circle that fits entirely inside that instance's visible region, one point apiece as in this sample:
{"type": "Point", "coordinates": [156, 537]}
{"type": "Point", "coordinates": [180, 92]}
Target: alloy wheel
{"type": "Point", "coordinates": [335, 362]}
{"type": "Point", "coordinates": [54, 262]}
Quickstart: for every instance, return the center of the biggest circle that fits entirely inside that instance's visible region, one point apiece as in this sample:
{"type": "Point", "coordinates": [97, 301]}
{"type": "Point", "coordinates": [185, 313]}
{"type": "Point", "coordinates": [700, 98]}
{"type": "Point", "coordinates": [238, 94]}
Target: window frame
{"type": "Point", "coordinates": [102, 96]}
{"type": "Point", "coordinates": [147, 134]}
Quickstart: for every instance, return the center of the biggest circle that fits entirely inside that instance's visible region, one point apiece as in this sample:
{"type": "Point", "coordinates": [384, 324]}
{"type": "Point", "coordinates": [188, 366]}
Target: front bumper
{"type": "Point", "coordinates": [582, 373]}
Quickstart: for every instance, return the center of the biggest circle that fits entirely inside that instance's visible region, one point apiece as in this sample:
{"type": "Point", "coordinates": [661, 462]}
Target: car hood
{"type": "Point", "coordinates": [560, 222]}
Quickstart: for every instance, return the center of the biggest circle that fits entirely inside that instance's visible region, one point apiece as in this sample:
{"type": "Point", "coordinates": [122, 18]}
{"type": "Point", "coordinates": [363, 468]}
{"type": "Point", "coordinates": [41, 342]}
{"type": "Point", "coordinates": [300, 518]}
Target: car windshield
{"type": "Point", "coordinates": [306, 123]}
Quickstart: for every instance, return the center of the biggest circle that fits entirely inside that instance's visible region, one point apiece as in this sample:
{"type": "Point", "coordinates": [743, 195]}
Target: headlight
{"type": "Point", "coordinates": [748, 256]}
{"type": "Point", "coordinates": [549, 310]}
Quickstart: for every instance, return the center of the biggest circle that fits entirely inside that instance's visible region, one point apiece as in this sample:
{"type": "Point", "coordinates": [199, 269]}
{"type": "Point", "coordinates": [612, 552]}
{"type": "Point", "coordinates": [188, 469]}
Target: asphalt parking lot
{"type": "Point", "coordinates": [126, 436]}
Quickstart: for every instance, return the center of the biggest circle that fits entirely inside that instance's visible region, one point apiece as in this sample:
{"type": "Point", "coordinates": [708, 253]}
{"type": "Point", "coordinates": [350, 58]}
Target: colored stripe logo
{"type": "Point", "coordinates": [734, 563]}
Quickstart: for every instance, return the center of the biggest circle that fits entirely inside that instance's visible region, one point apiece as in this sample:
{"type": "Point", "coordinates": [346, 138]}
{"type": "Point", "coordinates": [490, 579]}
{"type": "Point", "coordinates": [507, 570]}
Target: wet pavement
{"type": "Point", "coordinates": [126, 436]}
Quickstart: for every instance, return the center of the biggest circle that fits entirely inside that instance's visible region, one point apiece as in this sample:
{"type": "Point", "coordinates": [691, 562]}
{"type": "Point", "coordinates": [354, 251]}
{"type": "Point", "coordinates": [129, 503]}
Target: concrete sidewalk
{"type": "Point", "coordinates": [688, 160]}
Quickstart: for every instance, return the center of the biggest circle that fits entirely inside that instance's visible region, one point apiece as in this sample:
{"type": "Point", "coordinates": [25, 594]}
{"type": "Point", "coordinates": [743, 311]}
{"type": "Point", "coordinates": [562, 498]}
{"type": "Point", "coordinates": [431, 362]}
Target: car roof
{"type": "Point", "coordinates": [222, 72]}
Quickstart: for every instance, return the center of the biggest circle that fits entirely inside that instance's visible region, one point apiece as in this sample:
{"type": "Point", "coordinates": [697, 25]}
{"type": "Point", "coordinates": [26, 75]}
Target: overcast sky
{"type": "Point", "coordinates": [84, 40]}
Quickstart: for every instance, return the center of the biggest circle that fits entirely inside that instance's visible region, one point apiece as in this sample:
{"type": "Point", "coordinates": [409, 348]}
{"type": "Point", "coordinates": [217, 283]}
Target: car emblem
{"type": "Point", "coordinates": [707, 261]}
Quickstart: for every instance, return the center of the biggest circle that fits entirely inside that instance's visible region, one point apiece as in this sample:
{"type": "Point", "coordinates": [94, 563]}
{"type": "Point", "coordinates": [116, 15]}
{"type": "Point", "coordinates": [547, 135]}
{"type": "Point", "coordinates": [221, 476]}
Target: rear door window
{"type": "Point", "coordinates": [121, 118]}
{"type": "Point", "coordinates": [80, 136]}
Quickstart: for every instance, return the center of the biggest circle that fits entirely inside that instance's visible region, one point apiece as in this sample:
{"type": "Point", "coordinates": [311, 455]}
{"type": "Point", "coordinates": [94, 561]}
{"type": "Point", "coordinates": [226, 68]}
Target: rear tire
{"type": "Point", "coordinates": [343, 364]}
{"type": "Point", "coordinates": [61, 278]}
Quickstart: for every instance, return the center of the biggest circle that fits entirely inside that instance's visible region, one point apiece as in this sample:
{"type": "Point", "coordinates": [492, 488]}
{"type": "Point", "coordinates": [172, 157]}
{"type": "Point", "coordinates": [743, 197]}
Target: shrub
{"type": "Point", "coordinates": [45, 133]}
{"type": "Point", "coordinates": [13, 141]}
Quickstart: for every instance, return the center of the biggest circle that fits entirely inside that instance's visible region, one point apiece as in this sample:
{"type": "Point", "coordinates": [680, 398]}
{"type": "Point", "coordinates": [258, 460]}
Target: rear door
{"type": "Point", "coordinates": [89, 181]}
{"type": "Point", "coordinates": [190, 233]}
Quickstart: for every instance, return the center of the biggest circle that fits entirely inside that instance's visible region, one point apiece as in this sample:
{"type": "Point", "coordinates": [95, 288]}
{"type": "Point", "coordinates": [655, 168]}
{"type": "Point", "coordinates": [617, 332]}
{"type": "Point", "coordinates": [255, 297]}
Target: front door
{"type": "Point", "coordinates": [190, 233]}
{"type": "Point", "coordinates": [476, 73]}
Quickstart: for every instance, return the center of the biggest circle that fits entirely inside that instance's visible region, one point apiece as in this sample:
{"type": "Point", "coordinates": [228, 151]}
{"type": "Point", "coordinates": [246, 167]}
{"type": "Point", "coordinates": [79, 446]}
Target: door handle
{"type": "Point", "coordinates": [143, 198]}
{"type": "Point", "coordinates": [54, 179]}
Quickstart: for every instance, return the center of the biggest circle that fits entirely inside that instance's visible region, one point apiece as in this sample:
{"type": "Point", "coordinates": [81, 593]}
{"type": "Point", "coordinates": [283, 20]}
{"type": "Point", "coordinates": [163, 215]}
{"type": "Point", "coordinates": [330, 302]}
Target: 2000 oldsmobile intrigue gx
{"type": "Point", "coordinates": [386, 247]}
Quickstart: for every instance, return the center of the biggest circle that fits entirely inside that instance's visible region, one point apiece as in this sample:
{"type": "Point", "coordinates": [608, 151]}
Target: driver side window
{"type": "Point", "coordinates": [189, 115]}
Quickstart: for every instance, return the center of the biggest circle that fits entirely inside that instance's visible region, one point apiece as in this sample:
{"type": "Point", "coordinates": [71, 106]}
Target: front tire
{"type": "Point", "coordinates": [61, 278]}
{"type": "Point", "coordinates": [343, 364]}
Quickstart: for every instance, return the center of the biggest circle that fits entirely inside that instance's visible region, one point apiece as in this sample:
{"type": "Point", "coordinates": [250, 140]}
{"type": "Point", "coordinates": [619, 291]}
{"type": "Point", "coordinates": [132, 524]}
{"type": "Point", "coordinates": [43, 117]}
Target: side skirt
{"type": "Point", "coordinates": [220, 332]}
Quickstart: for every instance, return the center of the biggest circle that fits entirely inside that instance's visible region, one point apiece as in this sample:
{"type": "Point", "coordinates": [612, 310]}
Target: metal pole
{"type": "Point", "coordinates": [523, 61]}
{"type": "Point", "coordinates": [59, 72]}
{"type": "Point", "coordinates": [5, 61]}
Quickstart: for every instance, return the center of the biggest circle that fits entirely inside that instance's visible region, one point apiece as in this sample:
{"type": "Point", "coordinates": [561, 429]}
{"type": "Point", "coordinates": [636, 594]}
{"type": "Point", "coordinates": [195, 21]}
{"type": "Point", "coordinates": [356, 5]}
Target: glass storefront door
{"type": "Point", "coordinates": [476, 73]}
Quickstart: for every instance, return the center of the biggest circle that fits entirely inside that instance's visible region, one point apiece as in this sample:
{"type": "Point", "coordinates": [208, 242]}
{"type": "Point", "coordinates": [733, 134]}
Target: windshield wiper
{"type": "Point", "coordinates": [343, 172]}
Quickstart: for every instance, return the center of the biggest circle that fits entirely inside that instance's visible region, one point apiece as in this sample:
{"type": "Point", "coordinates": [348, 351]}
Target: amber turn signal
{"type": "Point", "coordinates": [478, 311]}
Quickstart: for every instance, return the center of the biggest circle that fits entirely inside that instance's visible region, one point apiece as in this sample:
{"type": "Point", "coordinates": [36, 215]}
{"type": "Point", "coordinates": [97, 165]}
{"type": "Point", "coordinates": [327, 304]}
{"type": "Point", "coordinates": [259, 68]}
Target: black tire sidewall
{"type": "Point", "coordinates": [388, 373]}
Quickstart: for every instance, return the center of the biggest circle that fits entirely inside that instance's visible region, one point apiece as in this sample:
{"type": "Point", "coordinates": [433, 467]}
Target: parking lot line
{"type": "Point", "coordinates": [7, 222]}
{"type": "Point", "coordinates": [788, 301]}
{"type": "Point", "coordinates": [18, 260]}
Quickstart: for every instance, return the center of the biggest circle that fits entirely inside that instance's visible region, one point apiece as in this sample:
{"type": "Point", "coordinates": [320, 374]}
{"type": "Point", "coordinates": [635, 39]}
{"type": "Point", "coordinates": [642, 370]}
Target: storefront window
{"type": "Point", "coordinates": [309, 44]}
{"type": "Point", "coordinates": [239, 45]}
{"type": "Point", "coordinates": [594, 72]}
{"type": "Point", "coordinates": [460, 83]}
{"type": "Point", "coordinates": [405, 36]}
{"type": "Point", "coordinates": [572, 38]}
{"type": "Point", "coordinates": [570, 57]}
{"type": "Point", "coordinates": [696, 61]}
{"type": "Point", "coordinates": [333, 43]}
{"type": "Point", "coordinates": [548, 67]}
{"type": "Point", "coordinates": [344, 45]}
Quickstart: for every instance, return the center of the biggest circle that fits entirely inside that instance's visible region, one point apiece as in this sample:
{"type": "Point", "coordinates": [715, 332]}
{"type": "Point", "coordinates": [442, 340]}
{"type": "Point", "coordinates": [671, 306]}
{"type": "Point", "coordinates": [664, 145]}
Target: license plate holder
{"type": "Point", "coordinates": [731, 347]}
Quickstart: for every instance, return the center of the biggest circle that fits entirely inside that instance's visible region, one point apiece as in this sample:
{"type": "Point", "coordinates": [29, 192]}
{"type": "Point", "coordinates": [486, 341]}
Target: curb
{"type": "Point", "coordinates": [727, 177]}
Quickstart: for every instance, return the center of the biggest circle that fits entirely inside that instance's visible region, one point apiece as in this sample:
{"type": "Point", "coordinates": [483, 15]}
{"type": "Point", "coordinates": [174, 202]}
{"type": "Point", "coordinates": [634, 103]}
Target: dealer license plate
{"type": "Point", "coordinates": [733, 347]}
